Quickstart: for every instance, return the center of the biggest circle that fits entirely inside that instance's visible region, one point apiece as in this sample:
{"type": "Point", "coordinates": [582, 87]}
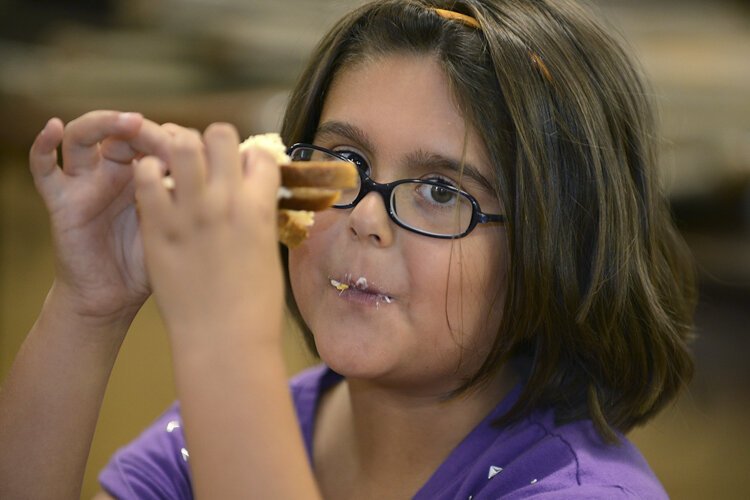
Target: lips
{"type": "Point", "coordinates": [360, 290]}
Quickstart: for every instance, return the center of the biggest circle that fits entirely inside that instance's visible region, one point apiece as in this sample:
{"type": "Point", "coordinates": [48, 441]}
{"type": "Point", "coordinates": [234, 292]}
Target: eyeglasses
{"type": "Point", "coordinates": [431, 207]}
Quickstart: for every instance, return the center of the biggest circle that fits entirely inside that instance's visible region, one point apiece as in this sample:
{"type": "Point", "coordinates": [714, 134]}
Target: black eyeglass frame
{"type": "Point", "coordinates": [368, 185]}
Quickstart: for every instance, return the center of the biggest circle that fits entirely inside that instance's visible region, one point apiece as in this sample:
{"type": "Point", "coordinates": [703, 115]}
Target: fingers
{"type": "Point", "coordinates": [214, 188]}
{"type": "Point", "coordinates": [222, 153]}
{"type": "Point", "coordinates": [119, 150]}
{"type": "Point", "coordinates": [82, 136]}
{"type": "Point", "coordinates": [154, 201]}
{"type": "Point", "coordinates": [187, 164]}
{"type": "Point", "coordinates": [196, 161]}
{"type": "Point", "coordinates": [262, 175]}
{"type": "Point", "coordinates": [171, 128]}
{"type": "Point", "coordinates": [151, 139]}
{"type": "Point", "coordinates": [43, 153]}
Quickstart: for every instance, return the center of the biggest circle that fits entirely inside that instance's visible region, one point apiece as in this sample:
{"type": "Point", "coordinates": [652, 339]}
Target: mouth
{"type": "Point", "coordinates": [360, 291]}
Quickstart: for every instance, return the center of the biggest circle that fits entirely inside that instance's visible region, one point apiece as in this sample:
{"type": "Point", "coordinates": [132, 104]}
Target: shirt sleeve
{"type": "Point", "coordinates": [153, 466]}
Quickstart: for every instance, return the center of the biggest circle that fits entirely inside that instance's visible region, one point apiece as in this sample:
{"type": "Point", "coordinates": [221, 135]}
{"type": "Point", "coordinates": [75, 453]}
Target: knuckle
{"type": "Point", "coordinates": [212, 209]}
{"type": "Point", "coordinates": [260, 209]}
{"type": "Point", "coordinates": [171, 128]}
{"type": "Point", "coordinates": [215, 206]}
{"type": "Point", "coordinates": [186, 143]}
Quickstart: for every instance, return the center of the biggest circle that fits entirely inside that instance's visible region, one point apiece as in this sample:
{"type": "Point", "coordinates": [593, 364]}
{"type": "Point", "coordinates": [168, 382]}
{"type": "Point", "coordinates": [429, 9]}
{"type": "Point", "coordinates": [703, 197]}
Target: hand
{"type": "Point", "coordinates": [210, 244]}
{"type": "Point", "coordinates": [90, 200]}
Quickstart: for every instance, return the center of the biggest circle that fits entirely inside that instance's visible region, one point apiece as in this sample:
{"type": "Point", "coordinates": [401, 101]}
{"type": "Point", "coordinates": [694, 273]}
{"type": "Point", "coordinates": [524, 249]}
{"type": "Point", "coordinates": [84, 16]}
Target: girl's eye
{"type": "Point", "coordinates": [440, 193]}
{"type": "Point", "coordinates": [356, 158]}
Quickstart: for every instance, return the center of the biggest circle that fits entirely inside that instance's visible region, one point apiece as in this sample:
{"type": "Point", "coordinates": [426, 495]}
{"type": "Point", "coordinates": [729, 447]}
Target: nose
{"type": "Point", "coordinates": [369, 221]}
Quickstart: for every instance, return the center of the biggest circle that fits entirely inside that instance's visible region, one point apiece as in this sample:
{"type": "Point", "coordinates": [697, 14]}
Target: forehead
{"type": "Point", "coordinates": [403, 103]}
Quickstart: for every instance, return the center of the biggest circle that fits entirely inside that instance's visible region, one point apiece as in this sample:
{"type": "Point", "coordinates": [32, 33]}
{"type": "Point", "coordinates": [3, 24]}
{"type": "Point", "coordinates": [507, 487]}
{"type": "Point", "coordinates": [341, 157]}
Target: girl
{"type": "Point", "coordinates": [496, 305]}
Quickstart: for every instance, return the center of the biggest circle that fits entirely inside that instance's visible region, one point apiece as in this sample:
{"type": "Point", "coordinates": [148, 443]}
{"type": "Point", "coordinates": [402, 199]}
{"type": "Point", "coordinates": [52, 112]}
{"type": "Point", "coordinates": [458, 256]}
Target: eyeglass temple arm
{"type": "Point", "coordinates": [483, 218]}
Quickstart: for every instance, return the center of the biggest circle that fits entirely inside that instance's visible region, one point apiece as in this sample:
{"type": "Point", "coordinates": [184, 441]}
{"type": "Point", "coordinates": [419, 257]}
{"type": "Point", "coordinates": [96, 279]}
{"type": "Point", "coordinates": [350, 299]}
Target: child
{"type": "Point", "coordinates": [509, 303]}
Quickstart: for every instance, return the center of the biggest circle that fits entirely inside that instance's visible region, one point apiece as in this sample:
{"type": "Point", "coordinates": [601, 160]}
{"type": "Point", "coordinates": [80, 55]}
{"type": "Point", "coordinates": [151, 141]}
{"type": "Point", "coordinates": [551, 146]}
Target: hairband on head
{"type": "Point", "coordinates": [449, 14]}
{"type": "Point", "coordinates": [536, 60]}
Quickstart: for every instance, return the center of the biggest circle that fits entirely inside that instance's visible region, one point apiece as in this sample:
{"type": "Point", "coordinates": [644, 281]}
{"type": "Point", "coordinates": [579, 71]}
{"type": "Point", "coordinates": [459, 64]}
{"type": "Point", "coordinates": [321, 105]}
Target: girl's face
{"type": "Point", "coordinates": [420, 313]}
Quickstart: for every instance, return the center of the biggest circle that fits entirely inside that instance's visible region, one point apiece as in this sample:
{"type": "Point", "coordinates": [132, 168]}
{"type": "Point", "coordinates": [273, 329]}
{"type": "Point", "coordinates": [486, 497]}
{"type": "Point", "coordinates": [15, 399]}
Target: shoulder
{"type": "Point", "coordinates": [535, 458]}
{"type": "Point", "coordinates": [571, 461]}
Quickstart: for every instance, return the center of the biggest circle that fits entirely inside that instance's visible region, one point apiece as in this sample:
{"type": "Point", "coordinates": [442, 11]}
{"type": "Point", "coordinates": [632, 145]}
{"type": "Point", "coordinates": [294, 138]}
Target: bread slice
{"type": "Point", "coordinates": [309, 198]}
{"type": "Point", "coordinates": [294, 226]}
{"type": "Point", "coordinates": [307, 187]}
{"type": "Point", "coordinates": [321, 174]}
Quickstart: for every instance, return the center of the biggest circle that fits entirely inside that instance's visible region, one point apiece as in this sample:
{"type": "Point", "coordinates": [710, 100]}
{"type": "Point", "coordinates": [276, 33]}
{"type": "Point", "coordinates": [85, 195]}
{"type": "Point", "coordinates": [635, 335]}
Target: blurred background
{"type": "Point", "coordinates": [198, 61]}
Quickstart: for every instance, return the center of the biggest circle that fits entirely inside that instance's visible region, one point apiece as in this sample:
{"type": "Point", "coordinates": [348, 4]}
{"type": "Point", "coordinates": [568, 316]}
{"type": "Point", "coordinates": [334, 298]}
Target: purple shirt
{"type": "Point", "coordinates": [532, 458]}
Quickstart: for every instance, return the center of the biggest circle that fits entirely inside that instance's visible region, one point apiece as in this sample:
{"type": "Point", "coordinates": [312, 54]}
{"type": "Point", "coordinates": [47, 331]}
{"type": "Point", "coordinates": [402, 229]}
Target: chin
{"type": "Point", "coordinates": [353, 357]}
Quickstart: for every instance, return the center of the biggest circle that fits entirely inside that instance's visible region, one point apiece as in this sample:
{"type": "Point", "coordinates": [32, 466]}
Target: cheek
{"type": "Point", "coordinates": [306, 261]}
{"type": "Point", "coordinates": [311, 251]}
{"type": "Point", "coordinates": [428, 278]}
{"type": "Point", "coordinates": [298, 260]}
{"type": "Point", "coordinates": [476, 292]}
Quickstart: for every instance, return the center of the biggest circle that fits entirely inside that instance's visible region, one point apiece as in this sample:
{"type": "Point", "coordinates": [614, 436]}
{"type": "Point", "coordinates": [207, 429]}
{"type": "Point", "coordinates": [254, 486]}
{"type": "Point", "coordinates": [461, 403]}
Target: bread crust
{"type": "Point", "coordinates": [309, 187]}
{"type": "Point", "coordinates": [294, 226]}
{"type": "Point", "coordinates": [322, 174]}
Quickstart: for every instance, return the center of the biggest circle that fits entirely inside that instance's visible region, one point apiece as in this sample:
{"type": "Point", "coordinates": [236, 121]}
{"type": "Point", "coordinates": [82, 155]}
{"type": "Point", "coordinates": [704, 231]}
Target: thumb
{"type": "Point", "coordinates": [43, 153]}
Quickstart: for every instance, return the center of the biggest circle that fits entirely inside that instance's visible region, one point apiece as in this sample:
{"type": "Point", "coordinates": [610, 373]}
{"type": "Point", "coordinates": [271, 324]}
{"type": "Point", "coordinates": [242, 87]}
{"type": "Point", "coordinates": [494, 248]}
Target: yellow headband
{"type": "Point", "coordinates": [449, 14]}
{"type": "Point", "coordinates": [470, 21]}
{"type": "Point", "coordinates": [537, 61]}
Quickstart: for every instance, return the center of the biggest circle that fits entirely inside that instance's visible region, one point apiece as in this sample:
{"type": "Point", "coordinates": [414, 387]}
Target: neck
{"type": "Point", "coordinates": [380, 432]}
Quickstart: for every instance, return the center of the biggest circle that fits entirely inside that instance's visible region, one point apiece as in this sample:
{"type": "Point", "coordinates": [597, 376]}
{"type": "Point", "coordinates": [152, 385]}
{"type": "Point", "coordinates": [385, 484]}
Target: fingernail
{"type": "Point", "coordinates": [46, 126]}
{"type": "Point", "coordinates": [127, 117]}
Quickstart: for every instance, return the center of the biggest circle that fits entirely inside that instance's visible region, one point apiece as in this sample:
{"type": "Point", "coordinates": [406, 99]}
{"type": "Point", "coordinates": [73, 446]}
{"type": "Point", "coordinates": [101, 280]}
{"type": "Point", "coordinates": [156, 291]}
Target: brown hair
{"type": "Point", "coordinates": [601, 286]}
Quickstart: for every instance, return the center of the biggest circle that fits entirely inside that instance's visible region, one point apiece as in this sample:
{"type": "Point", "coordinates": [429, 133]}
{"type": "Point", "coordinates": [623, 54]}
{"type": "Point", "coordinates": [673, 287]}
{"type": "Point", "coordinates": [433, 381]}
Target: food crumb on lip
{"type": "Point", "coordinates": [360, 285]}
{"type": "Point", "coordinates": [339, 285]}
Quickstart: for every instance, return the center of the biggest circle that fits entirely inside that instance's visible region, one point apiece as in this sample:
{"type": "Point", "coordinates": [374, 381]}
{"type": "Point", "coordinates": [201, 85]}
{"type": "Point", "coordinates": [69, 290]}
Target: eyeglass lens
{"type": "Point", "coordinates": [427, 206]}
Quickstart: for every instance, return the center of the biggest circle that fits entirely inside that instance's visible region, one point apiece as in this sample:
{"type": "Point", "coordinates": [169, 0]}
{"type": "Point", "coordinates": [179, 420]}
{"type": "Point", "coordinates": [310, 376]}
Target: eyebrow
{"type": "Point", "coordinates": [342, 129]}
{"type": "Point", "coordinates": [440, 162]}
{"type": "Point", "coordinates": [420, 157]}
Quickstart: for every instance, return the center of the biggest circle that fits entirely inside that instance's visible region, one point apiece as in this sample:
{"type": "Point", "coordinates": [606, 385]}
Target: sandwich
{"type": "Point", "coordinates": [306, 186]}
